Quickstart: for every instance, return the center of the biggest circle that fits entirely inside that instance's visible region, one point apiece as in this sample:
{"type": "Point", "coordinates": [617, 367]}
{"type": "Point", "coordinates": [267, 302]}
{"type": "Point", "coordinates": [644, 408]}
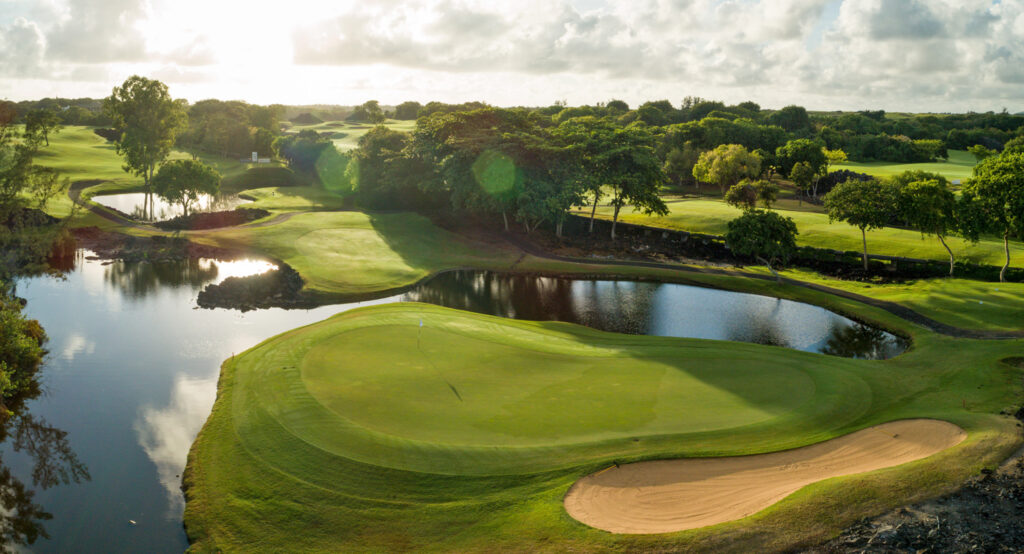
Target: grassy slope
{"type": "Point", "coordinates": [346, 135]}
{"type": "Point", "coordinates": [959, 166]}
{"type": "Point", "coordinates": [713, 216]}
{"type": "Point", "coordinates": [272, 468]}
{"type": "Point", "coordinates": [359, 253]}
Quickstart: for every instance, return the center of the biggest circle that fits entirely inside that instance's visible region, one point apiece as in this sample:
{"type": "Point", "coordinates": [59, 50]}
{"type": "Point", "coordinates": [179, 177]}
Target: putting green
{"type": "Point", "coordinates": [483, 395]}
{"type": "Point", "coordinates": [345, 435]}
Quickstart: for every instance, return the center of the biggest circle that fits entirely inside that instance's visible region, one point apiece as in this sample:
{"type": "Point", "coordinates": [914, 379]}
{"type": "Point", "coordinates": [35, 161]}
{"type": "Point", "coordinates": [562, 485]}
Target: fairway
{"type": "Point", "coordinates": [959, 166]}
{"type": "Point", "coordinates": [713, 216]}
{"type": "Point", "coordinates": [370, 431]}
{"type": "Point", "coordinates": [350, 253]}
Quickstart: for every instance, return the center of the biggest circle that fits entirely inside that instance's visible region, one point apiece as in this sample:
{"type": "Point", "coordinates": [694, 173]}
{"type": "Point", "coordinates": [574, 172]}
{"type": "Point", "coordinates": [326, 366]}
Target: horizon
{"type": "Point", "coordinates": [827, 55]}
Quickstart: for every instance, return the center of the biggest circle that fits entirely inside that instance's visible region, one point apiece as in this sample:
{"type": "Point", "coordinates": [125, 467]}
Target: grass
{"type": "Point", "coordinates": [80, 155]}
{"type": "Point", "coordinates": [344, 435]}
{"type": "Point", "coordinates": [713, 216]}
{"type": "Point", "coordinates": [355, 253]}
{"type": "Point", "coordinates": [345, 136]}
{"type": "Point", "coordinates": [959, 166]}
{"type": "Point", "coordinates": [959, 302]}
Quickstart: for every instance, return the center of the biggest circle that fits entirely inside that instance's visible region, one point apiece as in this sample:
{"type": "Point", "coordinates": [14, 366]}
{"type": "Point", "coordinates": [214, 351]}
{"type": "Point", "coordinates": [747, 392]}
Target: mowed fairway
{"type": "Point", "coordinates": [368, 432]}
{"type": "Point", "coordinates": [960, 165]}
{"type": "Point", "coordinates": [352, 253]}
{"type": "Point", "coordinates": [713, 216]}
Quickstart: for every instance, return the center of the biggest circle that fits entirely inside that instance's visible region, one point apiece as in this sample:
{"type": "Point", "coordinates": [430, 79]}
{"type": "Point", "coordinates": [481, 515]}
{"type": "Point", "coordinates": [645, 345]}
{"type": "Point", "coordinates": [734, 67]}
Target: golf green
{"type": "Point", "coordinates": [369, 431]}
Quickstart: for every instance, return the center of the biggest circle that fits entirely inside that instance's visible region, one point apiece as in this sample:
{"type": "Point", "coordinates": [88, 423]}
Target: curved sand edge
{"type": "Point", "coordinates": [663, 496]}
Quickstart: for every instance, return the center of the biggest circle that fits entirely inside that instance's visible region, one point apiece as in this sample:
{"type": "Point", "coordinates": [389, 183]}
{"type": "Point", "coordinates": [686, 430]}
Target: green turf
{"type": "Point", "coordinates": [959, 166]}
{"type": "Point", "coordinates": [713, 216]}
{"type": "Point", "coordinates": [352, 253]}
{"type": "Point", "coordinates": [80, 154]}
{"type": "Point", "coordinates": [345, 136]}
{"type": "Point", "coordinates": [294, 199]}
{"type": "Point", "coordinates": [344, 435]}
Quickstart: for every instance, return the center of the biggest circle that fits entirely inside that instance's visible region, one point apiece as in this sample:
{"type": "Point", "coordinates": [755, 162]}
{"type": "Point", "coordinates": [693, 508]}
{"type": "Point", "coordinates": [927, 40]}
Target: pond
{"type": "Point", "coordinates": [133, 368]}
{"type": "Point", "coordinates": [133, 204]}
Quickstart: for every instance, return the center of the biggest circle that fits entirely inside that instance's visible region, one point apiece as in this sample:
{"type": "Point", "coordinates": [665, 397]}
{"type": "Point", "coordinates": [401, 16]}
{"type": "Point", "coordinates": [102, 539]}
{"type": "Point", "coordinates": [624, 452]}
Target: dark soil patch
{"type": "Point", "coordinates": [212, 220]}
{"type": "Point", "coordinates": [983, 516]}
{"type": "Point", "coordinates": [115, 246]}
{"type": "Point", "coordinates": [280, 288]}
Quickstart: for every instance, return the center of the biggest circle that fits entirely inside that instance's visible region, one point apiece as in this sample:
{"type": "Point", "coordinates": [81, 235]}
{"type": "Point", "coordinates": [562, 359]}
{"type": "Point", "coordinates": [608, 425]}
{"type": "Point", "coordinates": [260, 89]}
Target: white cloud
{"type": "Point", "coordinates": [843, 54]}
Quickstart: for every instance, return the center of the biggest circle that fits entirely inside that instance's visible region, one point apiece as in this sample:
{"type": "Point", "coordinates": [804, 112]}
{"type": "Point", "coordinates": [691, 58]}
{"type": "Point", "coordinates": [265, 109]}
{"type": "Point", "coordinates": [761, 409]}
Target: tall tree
{"type": "Point", "coordinates": [929, 206]}
{"type": "Point", "coordinates": [40, 124]}
{"type": "Point", "coordinates": [997, 192]}
{"type": "Point", "coordinates": [726, 165]}
{"type": "Point", "coordinates": [182, 181]}
{"type": "Point", "coordinates": [632, 170]}
{"type": "Point", "coordinates": [864, 204]}
{"type": "Point", "coordinates": [148, 120]}
{"type": "Point", "coordinates": [802, 176]}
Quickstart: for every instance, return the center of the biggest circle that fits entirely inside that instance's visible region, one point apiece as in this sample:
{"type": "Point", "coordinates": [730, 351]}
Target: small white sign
{"type": "Point", "coordinates": [255, 157]}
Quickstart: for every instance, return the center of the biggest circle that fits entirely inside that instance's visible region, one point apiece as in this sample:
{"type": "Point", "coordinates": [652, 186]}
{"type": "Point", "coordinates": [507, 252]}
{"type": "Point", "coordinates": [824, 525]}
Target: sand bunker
{"type": "Point", "coordinates": [672, 495]}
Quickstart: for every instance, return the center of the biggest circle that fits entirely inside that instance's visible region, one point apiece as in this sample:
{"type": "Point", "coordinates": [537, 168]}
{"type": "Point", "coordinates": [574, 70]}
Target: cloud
{"type": "Point", "coordinates": [98, 32]}
{"type": "Point", "coordinates": [22, 45]}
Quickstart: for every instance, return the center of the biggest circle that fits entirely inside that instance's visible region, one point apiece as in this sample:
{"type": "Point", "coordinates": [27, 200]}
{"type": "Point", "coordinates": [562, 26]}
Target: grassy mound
{"type": "Point", "coordinates": [368, 432]}
{"type": "Point", "coordinates": [352, 253]}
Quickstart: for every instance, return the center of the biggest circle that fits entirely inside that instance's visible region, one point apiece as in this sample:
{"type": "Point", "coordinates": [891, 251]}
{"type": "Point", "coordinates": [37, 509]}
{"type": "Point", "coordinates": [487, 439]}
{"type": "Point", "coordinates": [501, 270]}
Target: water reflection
{"type": "Point", "coordinates": [166, 434]}
{"type": "Point", "coordinates": [661, 309]}
{"type": "Point", "coordinates": [140, 279]}
{"type": "Point", "coordinates": [134, 204]}
{"type": "Point", "coordinates": [47, 450]}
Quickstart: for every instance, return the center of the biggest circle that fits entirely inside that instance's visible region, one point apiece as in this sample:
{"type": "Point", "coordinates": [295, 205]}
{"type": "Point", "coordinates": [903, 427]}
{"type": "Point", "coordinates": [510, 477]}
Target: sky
{"type": "Point", "coordinates": [897, 55]}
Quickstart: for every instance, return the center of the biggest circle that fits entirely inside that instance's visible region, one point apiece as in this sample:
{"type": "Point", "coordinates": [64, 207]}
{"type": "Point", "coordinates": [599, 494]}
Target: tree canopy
{"type": "Point", "coordinates": [182, 181]}
{"type": "Point", "coordinates": [996, 193]}
{"type": "Point", "coordinates": [726, 165]}
{"type": "Point", "coordinates": [764, 235]}
{"type": "Point", "coordinates": [147, 120]}
{"type": "Point", "coordinates": [866, 205]}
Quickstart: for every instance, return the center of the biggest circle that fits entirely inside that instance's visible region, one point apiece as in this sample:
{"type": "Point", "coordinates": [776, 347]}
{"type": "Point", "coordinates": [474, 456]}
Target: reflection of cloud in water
{"type": "Point", "coordinates": [77, 344]}
{"type": "Point", "coordinates": [167, 434]}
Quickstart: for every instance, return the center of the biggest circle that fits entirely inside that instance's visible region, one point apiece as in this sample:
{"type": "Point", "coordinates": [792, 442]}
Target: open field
{"type": "Point", "coordinates": [347, 435]}
{"type": "Point", "coordinates": [713, 216]}
{"type": "Point", "coordinates": [959, 166]}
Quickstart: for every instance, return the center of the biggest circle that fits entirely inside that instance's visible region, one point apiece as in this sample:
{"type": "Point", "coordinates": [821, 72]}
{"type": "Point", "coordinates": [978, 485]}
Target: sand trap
{"type": "Point", "coordinates": [672, 495]}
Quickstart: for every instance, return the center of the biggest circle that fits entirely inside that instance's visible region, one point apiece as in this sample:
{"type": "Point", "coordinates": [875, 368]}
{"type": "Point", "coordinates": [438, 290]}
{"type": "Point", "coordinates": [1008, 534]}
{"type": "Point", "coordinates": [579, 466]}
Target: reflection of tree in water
{"type": "Point", "coordinates": [622, 307]}
{"type": "Point", "coordinates": [760, 328]}
{"type": "Point", "coordinates": [519, 296]}
{"type": "Point", "coordinates": [862, 341]}
{"type": "Point", "coordinates": [139, 279]}
{"type": "Point", "coordinates": [54, 463]}
{"type": "Point", "coordinates": [617, 306]}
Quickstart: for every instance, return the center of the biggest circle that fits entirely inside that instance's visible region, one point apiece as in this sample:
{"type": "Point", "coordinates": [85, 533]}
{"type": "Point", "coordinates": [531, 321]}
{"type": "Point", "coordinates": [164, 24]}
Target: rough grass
{"type": "Point", "coordinates": [713, 216]}
{"type": "Point", "coordinates": [959, 166]}
{"type": "Point", "coordinates": [324, 439]}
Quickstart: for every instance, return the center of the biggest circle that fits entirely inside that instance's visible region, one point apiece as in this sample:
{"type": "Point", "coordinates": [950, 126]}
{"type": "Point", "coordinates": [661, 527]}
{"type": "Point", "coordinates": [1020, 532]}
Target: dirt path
{"type": "Point", "coordinates": [665, 496]}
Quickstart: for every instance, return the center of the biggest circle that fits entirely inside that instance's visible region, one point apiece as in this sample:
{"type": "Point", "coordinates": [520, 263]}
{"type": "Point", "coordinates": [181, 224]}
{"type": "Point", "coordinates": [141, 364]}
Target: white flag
{"type": "Point", "coordinates": [421, 323]}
